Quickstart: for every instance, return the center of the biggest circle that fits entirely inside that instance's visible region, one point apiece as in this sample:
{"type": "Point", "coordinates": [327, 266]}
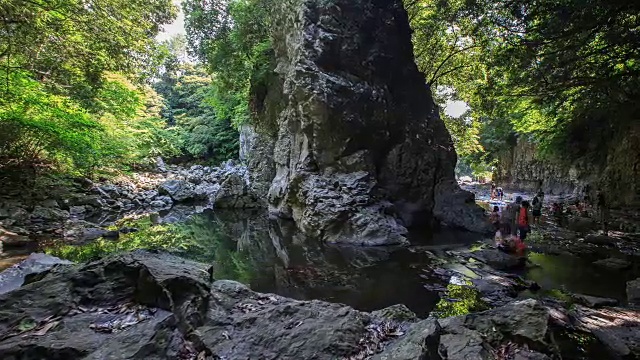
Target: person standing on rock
{"type": "Point", "coordinates": [536, 204]}
{"type": "Point", "coordinates": [524, 220]}
{"type": "Point", "coordinates": [494, 218]}
{"type": "Point", "coordinates": [603, 211]}
{"type": "Point", "coordinates": [509, 216]}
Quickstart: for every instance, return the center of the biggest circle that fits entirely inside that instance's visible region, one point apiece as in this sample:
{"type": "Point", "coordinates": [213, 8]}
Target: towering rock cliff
{"type": "Point", "coordinates": [614, 170]}
{"type": "Point", "coordinates": [360, 152]}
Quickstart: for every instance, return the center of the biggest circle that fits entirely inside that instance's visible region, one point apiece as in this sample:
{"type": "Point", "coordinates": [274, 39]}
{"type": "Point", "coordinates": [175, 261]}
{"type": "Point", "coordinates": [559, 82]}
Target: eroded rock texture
{"type": "Point", "coordinates": [144, 305]}
{"type": "Point", "coordinates": [361, 153]}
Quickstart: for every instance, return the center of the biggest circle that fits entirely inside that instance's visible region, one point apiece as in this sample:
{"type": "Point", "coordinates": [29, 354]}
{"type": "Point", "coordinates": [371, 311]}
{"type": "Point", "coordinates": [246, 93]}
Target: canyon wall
{"type": "Point", "coordinates": [358, 152]}
{"type": "Point", "coordinates": [614, 170]}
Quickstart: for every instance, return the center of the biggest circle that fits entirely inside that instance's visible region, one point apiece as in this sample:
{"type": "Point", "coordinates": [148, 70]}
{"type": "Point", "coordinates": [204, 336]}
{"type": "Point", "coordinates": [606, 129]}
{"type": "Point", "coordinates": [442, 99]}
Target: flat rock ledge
{"type": "Point", "coordinates": [144, 305]}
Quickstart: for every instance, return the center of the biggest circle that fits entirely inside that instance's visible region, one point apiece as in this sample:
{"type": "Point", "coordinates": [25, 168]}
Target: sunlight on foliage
{"type": "Point", "coordinates": [198, 239]}
{"type": "Point", "coordinates": [459, 300]}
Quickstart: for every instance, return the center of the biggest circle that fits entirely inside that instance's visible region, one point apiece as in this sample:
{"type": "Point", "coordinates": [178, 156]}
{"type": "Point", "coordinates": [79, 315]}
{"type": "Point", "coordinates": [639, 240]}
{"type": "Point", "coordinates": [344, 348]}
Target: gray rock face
{"type": "Point", "coordinates": [633, 291]}
{"type": "Point", "coordinates": [178, 190]}
{"type": "Point", "coordinates": [617, 328]}
{"type": "Point", "coordinates": [13, 277]}
{"type": "Point", "coordinates": [256, 150]}
{"type": "Point", "coordinates": [476, 336]}
{"type": "Point", "coordinates": [49, 214]}
{"type": "Point", "coordinates": [360, 151]}
{"type": "Point", "coordinates": [497, 259]}
{"type": "Point", "coordinates": [234, 193]}
{"type": "Point", "coordinates": [421, 340]}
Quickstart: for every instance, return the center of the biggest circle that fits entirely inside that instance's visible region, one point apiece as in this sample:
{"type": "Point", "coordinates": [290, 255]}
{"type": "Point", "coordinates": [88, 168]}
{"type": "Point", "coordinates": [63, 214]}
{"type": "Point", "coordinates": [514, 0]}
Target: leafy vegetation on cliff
{"type": "Point", "coordinates": [563, 74]}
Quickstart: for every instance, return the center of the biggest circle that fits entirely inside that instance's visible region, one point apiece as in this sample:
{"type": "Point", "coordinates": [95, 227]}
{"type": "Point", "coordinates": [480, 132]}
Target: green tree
{"type": "Point", "coordinates": [232, 38]}
{"type": "Point", "coordinates": [69, 44]}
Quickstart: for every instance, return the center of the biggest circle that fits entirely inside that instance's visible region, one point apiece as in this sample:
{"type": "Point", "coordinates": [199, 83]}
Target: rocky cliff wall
{"type": "Point", "coordinates": [615, 170]}
{"type": "Point", "coordinates": [360, 152]}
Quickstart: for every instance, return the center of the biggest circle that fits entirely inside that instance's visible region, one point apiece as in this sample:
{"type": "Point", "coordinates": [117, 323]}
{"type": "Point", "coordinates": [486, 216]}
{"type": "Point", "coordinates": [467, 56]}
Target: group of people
{"type": "Point", "coordinates": [513, 223]}
{"type": "Point", "coordinates": [583, 208]}
{"type": "Point", "coordinates": [496, 192]}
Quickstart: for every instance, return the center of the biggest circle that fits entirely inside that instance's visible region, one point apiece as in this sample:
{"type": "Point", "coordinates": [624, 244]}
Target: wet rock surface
{"type": "Point", "coordinates": [144, 305]}
{"type": "Point", "coordinates": [498, 259]}
{"type": "Point", "coordinates": [617, 328]}
{"type": "Point", "coordinates": [13, 277]}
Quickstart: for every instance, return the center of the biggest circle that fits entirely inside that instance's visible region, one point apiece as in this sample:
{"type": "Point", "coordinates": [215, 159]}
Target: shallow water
{"type": "Point", "coordinates": [272, 256]}
{"type": "Point", "coordinates": [578, 275]}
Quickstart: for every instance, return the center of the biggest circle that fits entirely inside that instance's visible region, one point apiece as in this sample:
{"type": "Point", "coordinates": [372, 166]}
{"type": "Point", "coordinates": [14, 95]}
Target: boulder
{"type": "Point", "coordinates": [582, 225]}
{"type": "Point", "coordinates": [206, 190]}
{"type": "Point", "coordinates": [81, 199]}
{"type": "Point", "coordinates": [18, 214]}
{"type": "Point", "coordinates": [613, 263]}
{"type": "Point", "coordinates": [13, 277]}
{"type": "Point", "coordinates": [233, 192]}
{"type": "Point", "coordinates": [497, 259]}
{"type": "Point", "coordinates": [633, 291]}
{"type": "Point", "coordinates": [420, 342]}
{"type": "Point", "coordinates": [50, 203]}
{"type": "Point", "coordinates": [527, 320]}
{"type": "Point", "coordinates": [82, 231]}
{"type": "Point", "coordinates": [353, 127]}
{"type": "Point", "coordinates": [110, 189]}
{"type": "Point", "coordinates": [77, 210]}
{"type": "Point", "coordinates": [49, 214]}
{"type": "Point", "coordinates": [594, 301]}
{"type": "Point", "coordinates": [397, 312]}
{"type": "Point", "coordinates": [178, 190]}
{"type": "Point", "coordinates": [600, 240]}
{"type": "Point", "coordinates": [157, 204]}
{"type": "Point", "coordinates": [12, 239]}
{"type": "Point", "coordinates": [617, 328]}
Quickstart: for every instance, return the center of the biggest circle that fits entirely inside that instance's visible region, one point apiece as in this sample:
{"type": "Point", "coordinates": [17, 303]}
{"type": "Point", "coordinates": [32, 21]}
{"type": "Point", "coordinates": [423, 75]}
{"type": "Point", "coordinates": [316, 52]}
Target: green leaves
{"type": "Point", "coordinates": [69, 44]}
{"type": "Point", "coordinates": [551, 71]}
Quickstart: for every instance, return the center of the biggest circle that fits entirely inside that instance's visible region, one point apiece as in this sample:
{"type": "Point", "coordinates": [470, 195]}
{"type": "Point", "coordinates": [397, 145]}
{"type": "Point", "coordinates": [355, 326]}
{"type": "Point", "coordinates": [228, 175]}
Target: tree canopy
{"type": "Point", "coordinates": [562, 73]}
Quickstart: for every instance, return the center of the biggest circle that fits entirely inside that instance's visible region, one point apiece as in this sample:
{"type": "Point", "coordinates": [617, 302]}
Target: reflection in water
{"type": "Point", "coordinates": [272, 256]}
{"type": "Point", "coordinates": [578, 275]}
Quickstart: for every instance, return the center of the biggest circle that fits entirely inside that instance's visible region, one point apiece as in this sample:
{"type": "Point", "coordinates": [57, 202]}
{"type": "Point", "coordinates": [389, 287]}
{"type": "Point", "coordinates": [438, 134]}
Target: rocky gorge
{"type": "Point", "coordinates": [614, 171]}
{"type": "Point", "coordinates": [259, 261]}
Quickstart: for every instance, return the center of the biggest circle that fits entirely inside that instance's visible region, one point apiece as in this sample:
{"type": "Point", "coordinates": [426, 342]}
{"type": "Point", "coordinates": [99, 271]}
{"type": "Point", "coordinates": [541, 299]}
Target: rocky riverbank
{"type": "Point", "coordinates": [80, 210]}
{"type": "Point", "coordinates": [145, 305]}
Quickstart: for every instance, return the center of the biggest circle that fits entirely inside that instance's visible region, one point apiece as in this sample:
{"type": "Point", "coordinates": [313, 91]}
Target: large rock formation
{"type": "Point", "coordinates": [361, 153]}
{"type": "Point", "coordinates": [614, 169]}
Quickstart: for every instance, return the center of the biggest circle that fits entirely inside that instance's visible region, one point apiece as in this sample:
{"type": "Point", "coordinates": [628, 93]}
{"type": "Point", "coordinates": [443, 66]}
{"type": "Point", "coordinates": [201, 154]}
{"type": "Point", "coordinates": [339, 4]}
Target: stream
{"type": "Point", "coordinates": [272, 256]}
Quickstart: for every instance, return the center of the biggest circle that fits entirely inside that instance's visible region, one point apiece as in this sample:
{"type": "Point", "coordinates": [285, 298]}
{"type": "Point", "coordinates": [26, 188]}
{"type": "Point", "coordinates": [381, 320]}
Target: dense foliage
{"type": "Point", "coordinates": [193, 109]}
{"type": "Point", "coordinates": [232, 38]}
{"type": "Point", "coordinates": [85, 87]}
{"type": "Point", "coordinates": [63, 103]}
{"type": "Point", "coordinates": [562, 74]}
